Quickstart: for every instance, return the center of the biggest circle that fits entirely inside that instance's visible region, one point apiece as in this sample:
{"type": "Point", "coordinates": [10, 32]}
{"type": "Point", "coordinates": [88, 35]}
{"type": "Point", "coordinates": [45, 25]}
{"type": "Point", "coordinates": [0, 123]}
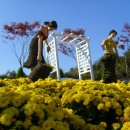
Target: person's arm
{"type": "Point", "coordinates": [103, 45]}
{"type": "Point", "coordinates": [40, 47]}
{"type": "Point", "coordinates": [48, 47]}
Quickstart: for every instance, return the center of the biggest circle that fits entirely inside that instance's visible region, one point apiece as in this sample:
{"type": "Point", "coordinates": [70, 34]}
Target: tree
{"type": "Point", "coordinates": [8, 74]}
{"type": "Point", "coordinates": [124, 40]}
{"type": "Point", "coordinates": [69, 50]}
{"type": "Point", "coordinates": [120, 69]}
{"type": "Point", "coordinates": [17, 35]}
{"type": "Point", "coordinates": [54, 75]}
{"type": "Point", "coordinates": [20, 73]}
{"type": "Point", "coordinates": [72, 73]}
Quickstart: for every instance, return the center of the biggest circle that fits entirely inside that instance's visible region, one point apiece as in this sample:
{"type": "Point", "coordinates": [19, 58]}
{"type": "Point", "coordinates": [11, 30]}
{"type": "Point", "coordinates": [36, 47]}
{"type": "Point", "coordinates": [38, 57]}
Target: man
{"type": "Point", "coordinates": [110, 57]}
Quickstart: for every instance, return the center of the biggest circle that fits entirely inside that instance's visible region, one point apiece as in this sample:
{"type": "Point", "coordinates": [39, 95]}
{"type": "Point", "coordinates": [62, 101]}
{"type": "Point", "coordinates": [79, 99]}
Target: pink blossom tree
{"type": "Point", "coordinates": [124, 41]}
{"type": "Point", "coordinates": [69, 50]}
{"type": "Point", "coordinates": [125, 38]}
{"type": "Point", "coordinates": [17, 36]}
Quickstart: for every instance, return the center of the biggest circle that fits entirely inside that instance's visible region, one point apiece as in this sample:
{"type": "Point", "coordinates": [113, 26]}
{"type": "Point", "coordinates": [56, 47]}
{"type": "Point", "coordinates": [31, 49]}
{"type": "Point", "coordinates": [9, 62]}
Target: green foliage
{"type": "Point", "coordinates": [20, 73]}
{"type": "Point", "coordinates": [72, 73]}
{"type": "Point", "coordinates": [86, 76]}
{"type": "Point", "coordinates": [120, 71]}
{"type": "Point", "coordinates": [98, 70]}
{"type": "Point", "coordinates": [120, 68]}
{"type": "Point", "coordinates": [128, 62]}
{"type": "Point", "coordinates": [9, 74]}
{"type": "Point", "coordinates": [54, 75]}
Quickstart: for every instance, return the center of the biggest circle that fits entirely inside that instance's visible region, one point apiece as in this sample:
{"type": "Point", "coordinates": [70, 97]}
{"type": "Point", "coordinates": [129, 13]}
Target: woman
{"type": "Point", "coordinates": [110, 56]}
{"type": "Point", "coordinates": [36, 45]}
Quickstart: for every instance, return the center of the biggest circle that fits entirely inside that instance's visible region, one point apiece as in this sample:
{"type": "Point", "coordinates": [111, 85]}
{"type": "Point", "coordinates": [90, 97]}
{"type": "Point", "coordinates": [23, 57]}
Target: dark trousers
{"type": "Point", "coordinates": [109, 68]}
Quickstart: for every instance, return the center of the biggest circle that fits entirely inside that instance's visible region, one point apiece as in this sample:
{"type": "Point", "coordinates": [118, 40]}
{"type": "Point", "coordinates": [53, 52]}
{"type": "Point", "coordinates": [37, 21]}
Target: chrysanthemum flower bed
{"type": "Point", "coordinates": [63, 105]}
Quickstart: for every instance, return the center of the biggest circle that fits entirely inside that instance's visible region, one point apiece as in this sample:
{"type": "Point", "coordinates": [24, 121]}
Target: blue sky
{"type": "Point", "coordinates": [97, 17]}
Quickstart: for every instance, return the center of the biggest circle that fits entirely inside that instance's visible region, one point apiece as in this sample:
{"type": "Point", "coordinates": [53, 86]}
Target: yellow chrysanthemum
{"type": "Point", "coordinates": [117, 96]}
{"type": "Point", "coordinates": [42, 99]}
{"type": "Point", "coordinates": [86, 101]}
{"type": "Point", "coordinates": [28, 109]}
{"type": "Point", "coordinates": [116, 126]}
{"type": "Point", "coordinates": [34, 127]}
{"type": "Point", "coordinates": [119, 111]}
{"type": "Point", "coordinates": [106, 99]}
{"type": "Point", "coordinates": [102, 125]}
{"type": "Point", "coordinates": [115, 105]}
{"type": "Point", "coordinates": [68, 111]}
{"type": "Point", "coordinates": [4, 101]}
{"type": "Point", "coordinates": [6, 119]}
{"type": "Point", "coordinates": [100, 106]}
{"type": "Point", "coordinates": [40, 113]}
{"type": "Point", "coordinates": [50, 107]}
{"type": "Point", "coordinates": [60, 126]}
{"type": "Point", "coordinates": [48, 124]}
{"type": "Point", "coordinates": [48, 100]}
{"type": "Point", "coordinates": [127, 113]}
{"type": "Point", "coordinates": [77, 97]}
{"type": "Point", "coordinates": [17, 101]}
{"type": "Point", "coordinates": [11, 110]}
{"type": "Point", "coordinates": [108, 104]}
{"type": "Point", "coordinates": [59, 115]}
{"type": "Point", "coordinates": [57, 101]}
{"type": "Point", "coordinates": [126, 126]}
{"type": "Point", "coordinates": [27, 123]}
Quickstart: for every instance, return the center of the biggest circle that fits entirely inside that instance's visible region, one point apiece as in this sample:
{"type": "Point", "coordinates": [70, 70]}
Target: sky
{"type": "Point", "coordinates": [97, 17]}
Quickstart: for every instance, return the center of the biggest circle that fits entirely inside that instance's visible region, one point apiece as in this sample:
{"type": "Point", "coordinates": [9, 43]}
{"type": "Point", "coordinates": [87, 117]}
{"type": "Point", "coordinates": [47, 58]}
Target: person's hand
{"type": "Point", "coordinates": [48, 48]}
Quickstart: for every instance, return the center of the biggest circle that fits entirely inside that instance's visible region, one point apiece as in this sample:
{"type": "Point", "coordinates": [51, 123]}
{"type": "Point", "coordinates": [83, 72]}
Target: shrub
{"type": "Point", "coordinates": [63, 105]}
{"type": "Point", "coordinates": [20, 73]}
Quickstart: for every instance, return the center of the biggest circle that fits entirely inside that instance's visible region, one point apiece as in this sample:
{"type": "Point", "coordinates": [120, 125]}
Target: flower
{"type": "Point", "coordinates": [4, 101]}
{"type": "Point", "coordinates": [49, 124]}
{"type": "Point", "coordinates": [17, 101]}
{"type": "Point", "coordinates": [116, 126]}
{"type": "Point", "coordinates": [127, 113]}
{"type": "Point", "coordinates": [108, 104]}
{"type": "Point", "coordinates": [27, 123]}
{"type": "Point", "coordinates": [102, 125]}
{"type": "Point", "coordinates": [6, 119]}
{"type": "Point", "coordinates": [34, 127]}
{"type": "Point", "coordinates": [59, 115]}
{"type": "Point", "coordinates": [40, 105]}
{"type": "Point", "coordinates": [126, 126]}
{"type": "Point", "coordinates": [100, 106]}
{"type": "Point", "coordinates": [119, 111]}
